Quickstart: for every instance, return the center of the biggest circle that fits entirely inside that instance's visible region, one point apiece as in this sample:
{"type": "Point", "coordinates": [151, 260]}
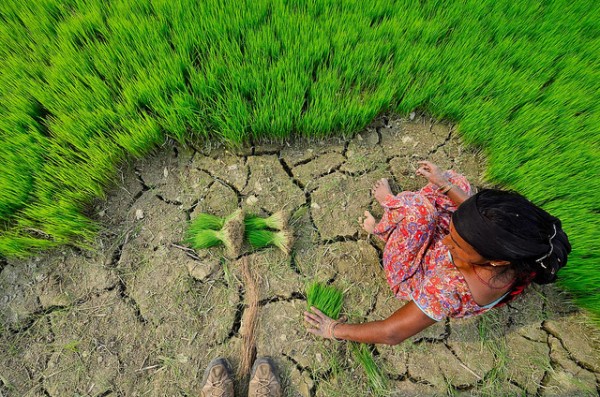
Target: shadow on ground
{"type": "Point", "coordinates": [142, 315]}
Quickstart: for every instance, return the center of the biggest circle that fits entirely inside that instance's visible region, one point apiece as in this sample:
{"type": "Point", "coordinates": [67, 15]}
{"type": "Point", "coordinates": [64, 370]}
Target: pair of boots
{"type": "Point", "coordinates": [218, 381]}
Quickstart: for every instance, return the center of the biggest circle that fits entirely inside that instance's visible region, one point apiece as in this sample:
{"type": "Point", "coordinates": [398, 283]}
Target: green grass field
{"type": "Point", "coordinates": [87, 84]}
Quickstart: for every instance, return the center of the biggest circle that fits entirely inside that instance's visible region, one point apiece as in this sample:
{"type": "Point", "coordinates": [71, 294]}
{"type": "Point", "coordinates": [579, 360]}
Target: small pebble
{"type": "Point", "coordinates": [139, 214]}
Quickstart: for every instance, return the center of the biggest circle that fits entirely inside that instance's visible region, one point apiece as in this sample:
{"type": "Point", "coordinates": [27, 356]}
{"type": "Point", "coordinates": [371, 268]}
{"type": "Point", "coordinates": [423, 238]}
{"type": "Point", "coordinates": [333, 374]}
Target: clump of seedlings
{"type": "Point", "coordinates": [326, 298]}
{"type": "Point", "coordinates": [329, 299]}
{"type": "Point", "coordinates": [204, 222]}
{"type": "Point", "coordinates": [273, 230]}
{"type": "Point", "coordinates": [277, 221]}
{"type": "Point", "coordinates": [209, 230]}
{"type": "Point", "coordinates": [364, 356]}
{"type": "Point", "coordinates": [282, 239]}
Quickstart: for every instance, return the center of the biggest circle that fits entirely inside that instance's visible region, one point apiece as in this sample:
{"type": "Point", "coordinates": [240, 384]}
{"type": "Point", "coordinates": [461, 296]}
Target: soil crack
{"type": "Point", "coordinates": [140, 178]}
{"type": "Point", "coordinates": [3, 263]}
{"type": "Point", "coordinates": [122, 290]}
{"type": "Point", "coordinates": [465, 367]}
{"type": "Point", "coordinates": [341, 239]}
{"type": "Point", "coordinates": [289, 172]}
{"type": "Point", "coordinates": [325, 376]}
{"type": "Point", "coordinates": [308, 198]}
{"type": "Point", "coordinates": [237, 319]}
{"type": "Point", "coordinates": [569, 354]}
{"type": "Point", "coordinates": [435, 149]}
{"type": "Point", "coordinates": [224, 183]}
{"type": "Point", "coordinates": [188, 211]}
{"type": "Point", "coordinates": [171, 202]}
{"type": "Point", "coordinates": [294, 265]}
{"type": "Point", "coordinates": [296, 295]}
{"type": "Point", "coordinates": [443, 338]}
{"type": "Point", "coordinates": [117, 252]}
{"type": "Point", "coordinates": [371, 309]}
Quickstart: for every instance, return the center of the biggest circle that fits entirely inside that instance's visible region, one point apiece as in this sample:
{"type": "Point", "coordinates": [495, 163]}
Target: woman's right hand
{"type": "Point", "coordinates": [433, 173]}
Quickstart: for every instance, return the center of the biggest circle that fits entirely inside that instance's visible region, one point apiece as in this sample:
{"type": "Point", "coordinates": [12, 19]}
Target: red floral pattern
{"type": "Point", "coordinates": [417, 264]}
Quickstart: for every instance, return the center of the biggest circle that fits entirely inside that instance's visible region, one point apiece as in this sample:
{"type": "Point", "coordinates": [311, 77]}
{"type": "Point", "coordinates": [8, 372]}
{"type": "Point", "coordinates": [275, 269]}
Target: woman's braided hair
{"type": "Point", "coordinates": [535, 227]}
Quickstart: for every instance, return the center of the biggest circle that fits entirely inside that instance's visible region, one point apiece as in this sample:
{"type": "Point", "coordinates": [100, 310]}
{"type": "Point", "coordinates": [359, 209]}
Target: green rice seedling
{"type": "Point", "coordinates": [282, 239]}
{"type": "Point", "coordinates": [205, 238]}
{"type": "Point", "coordinates": [362, 354]}
{"type": "Point", "coordinates": [277, 221]}
{"type": "Point", "coordinates": [326, 298]}
{"type": "Point", "coordinates": [205, 221]}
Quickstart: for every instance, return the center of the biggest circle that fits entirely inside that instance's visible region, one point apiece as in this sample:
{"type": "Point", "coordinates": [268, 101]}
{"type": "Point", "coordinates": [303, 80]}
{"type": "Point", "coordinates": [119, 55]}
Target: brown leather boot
{"type": "Point", "coordinates": [217, 379]}
{"type": "Point", "coordinates": [263, 380]}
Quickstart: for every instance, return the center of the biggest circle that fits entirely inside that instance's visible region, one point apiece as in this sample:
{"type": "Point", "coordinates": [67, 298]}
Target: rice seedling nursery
{"type": "Point", "coordinates": [89, 85]}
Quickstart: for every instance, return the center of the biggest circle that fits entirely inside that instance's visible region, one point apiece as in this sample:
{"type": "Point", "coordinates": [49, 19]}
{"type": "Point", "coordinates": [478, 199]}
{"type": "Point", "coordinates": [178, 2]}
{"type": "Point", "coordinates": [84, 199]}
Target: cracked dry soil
{"type": "Point", "coordinates": [141, 315]}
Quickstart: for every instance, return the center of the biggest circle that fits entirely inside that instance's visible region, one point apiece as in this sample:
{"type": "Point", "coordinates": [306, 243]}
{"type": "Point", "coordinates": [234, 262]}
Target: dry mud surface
{"type": "Point", "coordinates": [142, 316]}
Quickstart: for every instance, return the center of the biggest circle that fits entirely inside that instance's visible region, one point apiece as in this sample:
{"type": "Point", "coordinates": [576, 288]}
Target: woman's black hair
{"type": "Point", "coordinates": [504, 225]}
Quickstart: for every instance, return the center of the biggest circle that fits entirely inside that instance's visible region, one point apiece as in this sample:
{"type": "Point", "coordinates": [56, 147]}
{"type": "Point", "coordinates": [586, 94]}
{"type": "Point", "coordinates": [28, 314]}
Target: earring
{"type": "Point", "coordinates": [493, 264]}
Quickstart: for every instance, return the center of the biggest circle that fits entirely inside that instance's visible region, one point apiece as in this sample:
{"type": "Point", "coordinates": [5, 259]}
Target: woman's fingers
{"type": "Point", "coordinates": [318, 312]}
{"type": "Point", "coordinates": [422, 171]}
{"type": "Point", "coordinates": [313, 331]}
{"type": "Point", "coordinates": [311, 318]}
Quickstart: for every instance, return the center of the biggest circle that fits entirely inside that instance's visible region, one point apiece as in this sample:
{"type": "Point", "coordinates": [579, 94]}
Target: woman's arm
{"type": "Point", "coordinates": [433, 173]}
{"type": "Point", "coordinates": [404, 323]}
{"type": "Point", "coordinates": [456, 194]}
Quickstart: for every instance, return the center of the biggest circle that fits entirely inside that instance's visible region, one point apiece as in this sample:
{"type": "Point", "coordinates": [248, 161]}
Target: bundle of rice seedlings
{"type": "Point", "coordinates": [362, 354]}
{"type": "Point", "coordinates": [326, 298]}
{"type": "Point", "coordinates": [277, 221]}
{"type": "Point", "coordinates": [282, 239]}
{"type": "Point", "coordinates": [209, 230]}
{"type": "Point", "coordinates": [204, 222]}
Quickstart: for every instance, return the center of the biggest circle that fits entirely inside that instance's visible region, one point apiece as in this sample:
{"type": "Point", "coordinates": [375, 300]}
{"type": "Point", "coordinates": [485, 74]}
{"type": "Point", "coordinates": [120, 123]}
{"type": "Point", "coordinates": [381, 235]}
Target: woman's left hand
{"type": "Point", "coordinates": [432, 172]}
{"type": "Point", "coordinates": [322, 325]}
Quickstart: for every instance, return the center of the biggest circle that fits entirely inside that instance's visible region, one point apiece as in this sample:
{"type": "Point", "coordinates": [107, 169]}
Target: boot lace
{"type": "Point", "coordinates": [264, 388]}
{"type": "Point", "coordinates": [218, 388]}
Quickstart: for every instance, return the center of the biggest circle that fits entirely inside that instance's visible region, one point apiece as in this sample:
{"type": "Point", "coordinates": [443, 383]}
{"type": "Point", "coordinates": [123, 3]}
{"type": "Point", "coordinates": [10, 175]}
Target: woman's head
{"type": "Point", "coordinates": [505, 226]}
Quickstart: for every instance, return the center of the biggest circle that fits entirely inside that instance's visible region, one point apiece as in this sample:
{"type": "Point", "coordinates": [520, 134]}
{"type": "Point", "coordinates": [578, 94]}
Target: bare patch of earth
{"type": "Point", "coordinates": [142, 315]}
